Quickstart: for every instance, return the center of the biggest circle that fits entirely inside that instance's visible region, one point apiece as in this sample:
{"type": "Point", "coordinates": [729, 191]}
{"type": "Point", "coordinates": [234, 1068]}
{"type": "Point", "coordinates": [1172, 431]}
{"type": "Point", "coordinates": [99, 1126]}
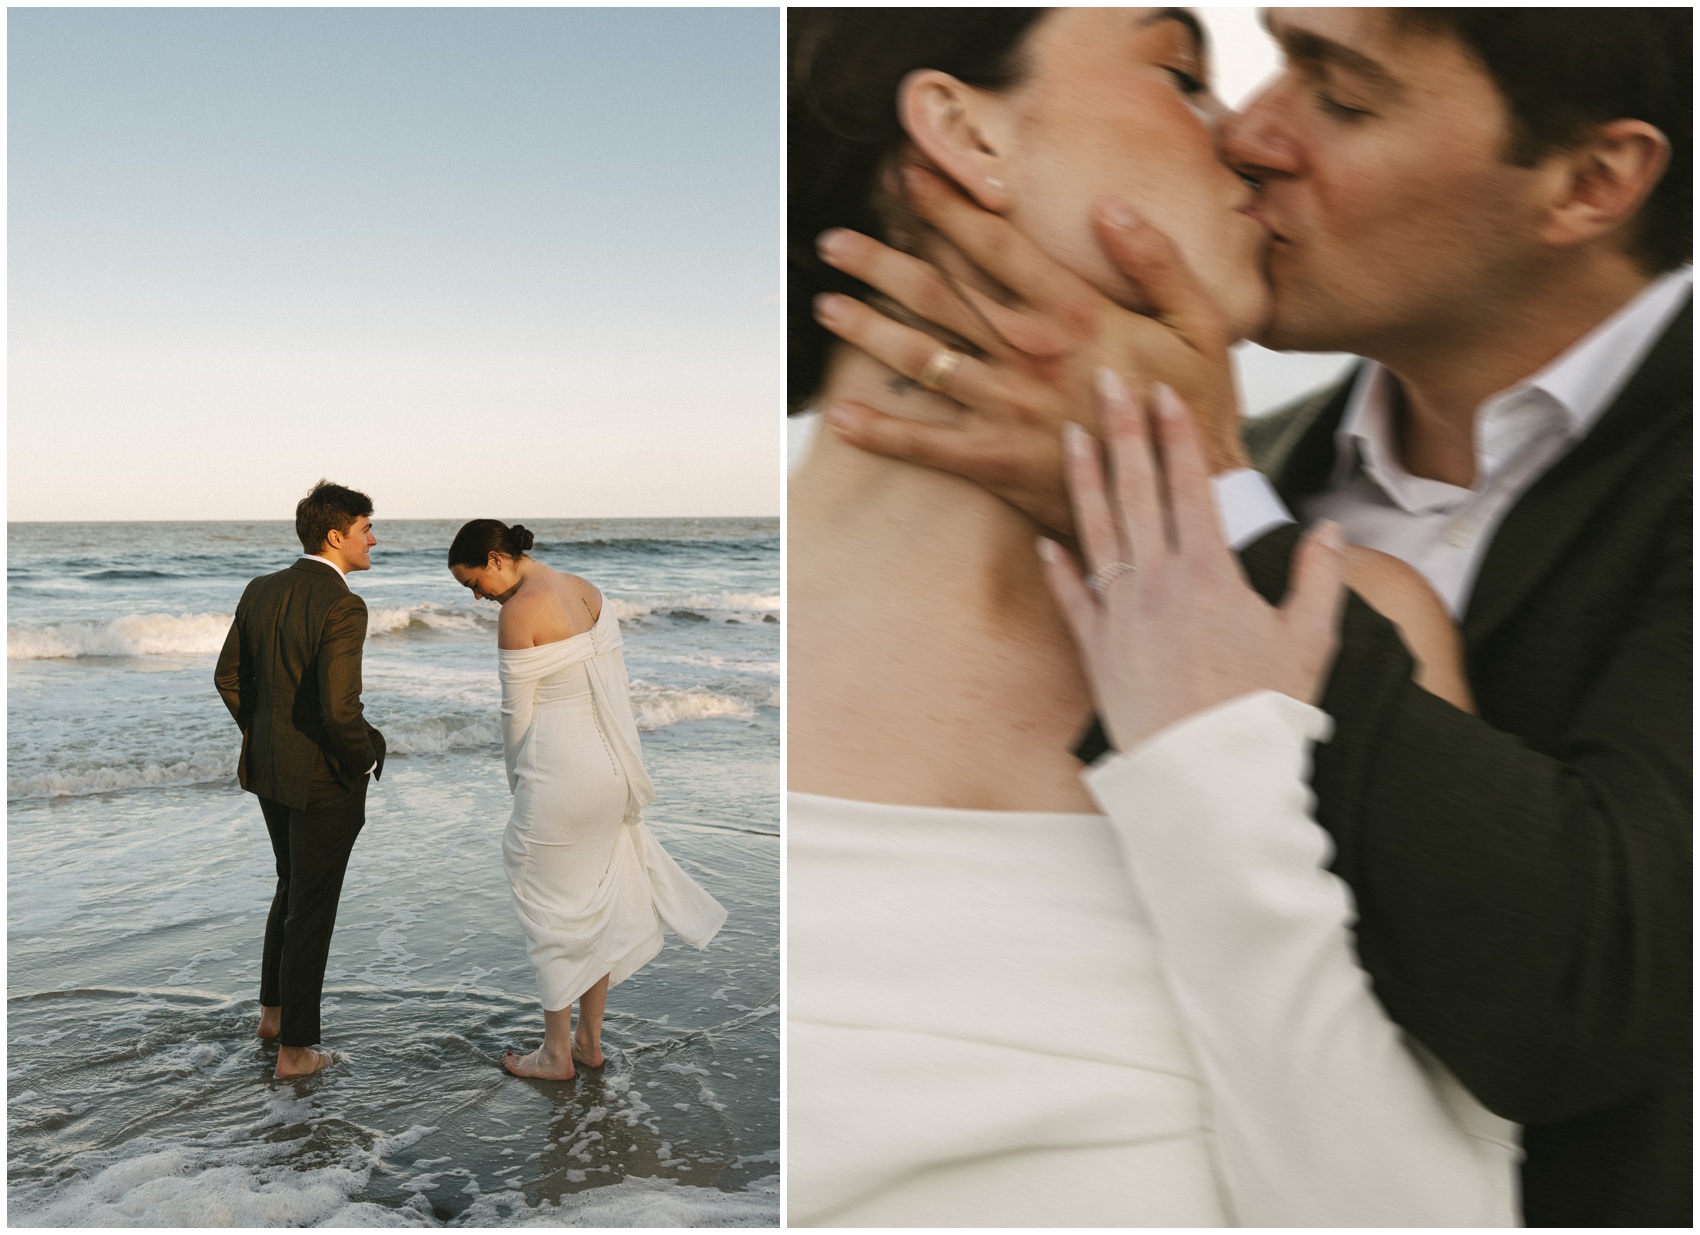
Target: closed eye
{"type": "Point", "coordinates": [1186, 81]}
{"type": "Point", "coordinates": [1336, 108]}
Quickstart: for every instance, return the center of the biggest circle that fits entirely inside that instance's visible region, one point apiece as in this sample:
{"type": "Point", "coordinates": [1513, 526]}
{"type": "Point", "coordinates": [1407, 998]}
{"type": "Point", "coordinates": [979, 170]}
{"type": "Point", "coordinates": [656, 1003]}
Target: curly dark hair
{"type": "Point", "coordinates": [326, 508]}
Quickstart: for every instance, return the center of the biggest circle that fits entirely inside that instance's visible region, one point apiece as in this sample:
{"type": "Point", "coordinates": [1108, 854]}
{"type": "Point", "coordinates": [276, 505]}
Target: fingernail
{"type": "Point", "coordinates": [841, 415]}
{"type": "Point", "coordinates": [830, 244]}
{"type": "Point", "coordinates": [1074, 438]}
{"type": "Point", "coordinates": [1329, 536]}
{"type": "Point", "coordinates": [826, 307]}
{"type": "Point", "coordinates": [1047, 549]}
{"type": "Point", "coordinates": [1168, 402]}
{"type": "Point", "coordinates": [1119, 214]}
{"type": "Point", "coordinates": [1111, 388]}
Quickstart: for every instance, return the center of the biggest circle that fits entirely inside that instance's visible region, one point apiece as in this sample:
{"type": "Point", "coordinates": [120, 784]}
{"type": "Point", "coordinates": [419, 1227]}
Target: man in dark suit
{"type": "Point", "coordinates": [290, 675]}
{"type": "Point", "coordinates": [1493, 206]}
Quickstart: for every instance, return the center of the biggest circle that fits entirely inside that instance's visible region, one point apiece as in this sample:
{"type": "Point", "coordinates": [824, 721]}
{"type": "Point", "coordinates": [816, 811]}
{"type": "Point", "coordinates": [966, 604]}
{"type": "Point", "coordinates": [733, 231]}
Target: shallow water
{"type": "Point", "coordinates": [137, 1094]}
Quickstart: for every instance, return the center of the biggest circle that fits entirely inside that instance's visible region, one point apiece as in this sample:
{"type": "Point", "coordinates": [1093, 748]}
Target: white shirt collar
{"type": "Point", "coordinates": [1580, 383]}
{"type": "Point", "coordinates": [1587, 377]}
{"type": "Point", "coordinates": [314, 557]}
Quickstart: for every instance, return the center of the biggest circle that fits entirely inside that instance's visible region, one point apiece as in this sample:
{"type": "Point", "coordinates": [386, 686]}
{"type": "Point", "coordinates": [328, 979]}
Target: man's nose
{"type": "Point", "coordinates": [1254, 141]}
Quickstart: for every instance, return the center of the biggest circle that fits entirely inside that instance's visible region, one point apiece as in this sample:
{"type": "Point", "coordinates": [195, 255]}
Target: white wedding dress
{"type": "Point", "coordinates": [591, 885]}
{"type": "Point", "coordinates": [1150, 1017]}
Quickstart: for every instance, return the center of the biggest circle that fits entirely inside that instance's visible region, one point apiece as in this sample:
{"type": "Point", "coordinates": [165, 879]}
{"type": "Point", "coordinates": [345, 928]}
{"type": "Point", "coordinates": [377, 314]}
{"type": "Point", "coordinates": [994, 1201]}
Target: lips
{"type": "Point", "coordinates": [1262, 221]}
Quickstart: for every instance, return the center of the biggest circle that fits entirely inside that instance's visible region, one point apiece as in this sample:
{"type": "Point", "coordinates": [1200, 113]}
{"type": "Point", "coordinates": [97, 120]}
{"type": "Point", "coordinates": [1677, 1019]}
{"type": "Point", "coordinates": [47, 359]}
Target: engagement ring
{"type": "Point", "coordinates": [940, 367]}
{"type": "Point", "coordinates": [1099, 580]}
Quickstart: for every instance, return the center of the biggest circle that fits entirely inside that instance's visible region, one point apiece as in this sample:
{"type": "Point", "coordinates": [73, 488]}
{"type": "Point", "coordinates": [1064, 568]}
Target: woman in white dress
{"type": "Point", "coordinates": [1017, 995]}
{"type": "Point", "coordinates": [591, 885]}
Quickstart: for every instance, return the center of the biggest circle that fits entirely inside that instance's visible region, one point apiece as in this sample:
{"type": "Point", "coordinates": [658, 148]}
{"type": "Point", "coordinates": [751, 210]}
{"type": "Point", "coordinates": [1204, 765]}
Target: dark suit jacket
{"type": "Point", "coordinates": [290, 675]}
{"type": "Point", "coordinates": [1523, 878]}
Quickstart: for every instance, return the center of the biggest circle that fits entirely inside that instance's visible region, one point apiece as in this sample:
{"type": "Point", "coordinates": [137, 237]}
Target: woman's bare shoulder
{"type": "Point", "coordinates": [576, 587]}
{"type": "Point", "coordinates": [1401, 595]}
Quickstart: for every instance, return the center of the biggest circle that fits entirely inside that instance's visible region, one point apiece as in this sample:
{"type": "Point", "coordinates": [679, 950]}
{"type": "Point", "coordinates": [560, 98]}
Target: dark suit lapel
{"type": "Point", "coordinates": [1570, 496]}
{"type": "Point", "coordinates": [1300, 460]}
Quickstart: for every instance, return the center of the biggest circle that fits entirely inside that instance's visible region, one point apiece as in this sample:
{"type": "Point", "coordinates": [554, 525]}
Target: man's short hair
{"type": "Point", "coordinates": [1562, 70]}
{"type": "Point", "coordinates": [325, 509]}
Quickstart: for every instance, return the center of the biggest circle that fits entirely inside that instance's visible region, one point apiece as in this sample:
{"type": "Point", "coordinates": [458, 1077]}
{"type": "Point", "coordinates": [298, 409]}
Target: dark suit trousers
{"type": "Point", "coordinates": [312, 847]}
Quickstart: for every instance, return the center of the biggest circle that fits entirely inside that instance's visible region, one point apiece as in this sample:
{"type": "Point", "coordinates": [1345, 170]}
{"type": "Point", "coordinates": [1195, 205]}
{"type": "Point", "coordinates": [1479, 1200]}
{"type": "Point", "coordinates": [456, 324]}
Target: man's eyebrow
{"type": "Point", "coordinates": [1308, 45]}
{"type": "Point", "coordinates": [1186, 18]}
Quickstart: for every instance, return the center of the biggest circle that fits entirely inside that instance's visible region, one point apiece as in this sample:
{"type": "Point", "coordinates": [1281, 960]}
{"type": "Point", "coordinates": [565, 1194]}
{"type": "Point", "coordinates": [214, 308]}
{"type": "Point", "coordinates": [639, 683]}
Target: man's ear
{"type": "Point", "coordinates": [1606, 179]}
{"type": "Point", "coordinates": [960, 130]}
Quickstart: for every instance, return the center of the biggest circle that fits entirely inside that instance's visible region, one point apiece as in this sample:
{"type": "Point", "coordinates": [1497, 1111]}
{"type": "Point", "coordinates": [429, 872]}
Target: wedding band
{"type": "Point", "coordinates": [1099, 580]}
{"type": "Point", "coordinates": [940, 366]}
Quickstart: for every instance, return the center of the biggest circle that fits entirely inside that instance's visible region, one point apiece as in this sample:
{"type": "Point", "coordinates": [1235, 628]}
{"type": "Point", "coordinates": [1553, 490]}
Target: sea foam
{"type": "Point", "coordinates": [184, 1185]}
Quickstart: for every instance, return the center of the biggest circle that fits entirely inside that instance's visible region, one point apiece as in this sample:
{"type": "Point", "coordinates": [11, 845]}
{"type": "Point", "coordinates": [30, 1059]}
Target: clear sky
{"type": "Point", "coordinates": [505, 262]}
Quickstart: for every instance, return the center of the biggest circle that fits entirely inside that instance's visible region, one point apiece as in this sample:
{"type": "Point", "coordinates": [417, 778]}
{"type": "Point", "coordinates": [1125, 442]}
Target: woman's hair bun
{"type": "Point", "coordinates": [477, 540]}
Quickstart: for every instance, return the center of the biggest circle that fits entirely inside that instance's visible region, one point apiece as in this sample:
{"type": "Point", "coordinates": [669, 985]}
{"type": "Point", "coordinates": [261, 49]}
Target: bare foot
{"type": "Point", "coordinates": [539, 1065]}
{"type": "Point", "coordinates": [271, 1022]}
{"type": "Point", "coordinates": [589, 1056]}
{"type": "Point", "coordinates": [295, 1062]}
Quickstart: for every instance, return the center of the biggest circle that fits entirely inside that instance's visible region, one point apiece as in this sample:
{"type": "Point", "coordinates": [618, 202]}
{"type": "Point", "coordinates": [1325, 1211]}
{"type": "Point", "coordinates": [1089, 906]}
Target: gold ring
{"type": "Point", "coordinates": [1100, 580]}
{"type": "Point", "coordinates": [940, 368]}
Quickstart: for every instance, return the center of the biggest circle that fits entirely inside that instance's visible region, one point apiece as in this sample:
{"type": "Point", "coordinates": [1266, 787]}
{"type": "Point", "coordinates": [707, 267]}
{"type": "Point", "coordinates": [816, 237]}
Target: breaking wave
{"type": "Point", "coordinates": [138, 634]}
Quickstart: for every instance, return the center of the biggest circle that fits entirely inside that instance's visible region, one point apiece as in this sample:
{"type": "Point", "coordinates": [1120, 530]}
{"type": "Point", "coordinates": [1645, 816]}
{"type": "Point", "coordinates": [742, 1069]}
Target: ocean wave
{"type": "Point", "coordinates": [440, 735]}
{"type": "Point", "coordinates": [188, 634]}
{"type": "Point", "coordinates": [205, 768]}
{"type": "Point", "coordinates": [660, 708]}
{"type": "Point", "coordinates": [400, 619]}
{"type": "Point", "coordinates": [208, 757]}
{"type": "Point", "coordinates": [136, 634]}
{"type": "Point", "coordinates": [749, 606]}
{"type": "Point", "coordinates": [104, 575]}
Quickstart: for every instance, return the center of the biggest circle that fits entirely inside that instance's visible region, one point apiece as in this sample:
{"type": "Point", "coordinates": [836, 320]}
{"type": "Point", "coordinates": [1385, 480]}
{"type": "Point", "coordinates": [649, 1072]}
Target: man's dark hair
{"type": "Point", "coordinates": [845, 68]}
{"type": "Point", "coordinates": [1562, 71]}
{"type": "Point", "coordinates": [328, 507]}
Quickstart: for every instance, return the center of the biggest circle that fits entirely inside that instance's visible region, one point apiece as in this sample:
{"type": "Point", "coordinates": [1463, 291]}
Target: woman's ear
{"type": "Point", "coordinates": [960, 130]}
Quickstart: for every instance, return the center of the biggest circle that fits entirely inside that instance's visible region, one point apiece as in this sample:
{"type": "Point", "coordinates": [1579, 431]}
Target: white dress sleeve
{"type": "Point", "coordinates": [519, 692]}
{"type": "Point", "coordinates": [1323, 1113]}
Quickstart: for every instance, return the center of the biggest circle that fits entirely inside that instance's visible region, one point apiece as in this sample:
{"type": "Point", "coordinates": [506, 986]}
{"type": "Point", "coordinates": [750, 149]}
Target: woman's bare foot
{"type": "Point", "coordinates": [295, 1062]}
{"type": "Point", "coordinates": [590, 1055]}
{"type": "Point", "coordinates": [271, 1022]}
{"type": "Point", "coordinates": [537, 1064]}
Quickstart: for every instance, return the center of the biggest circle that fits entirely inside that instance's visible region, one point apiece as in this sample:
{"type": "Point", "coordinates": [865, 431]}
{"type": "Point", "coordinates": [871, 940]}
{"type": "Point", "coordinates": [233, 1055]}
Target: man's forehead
{"type": "Point", "coordinates": [1380, 46]}
{"type": "Point", "coordinates": [1352, 35]}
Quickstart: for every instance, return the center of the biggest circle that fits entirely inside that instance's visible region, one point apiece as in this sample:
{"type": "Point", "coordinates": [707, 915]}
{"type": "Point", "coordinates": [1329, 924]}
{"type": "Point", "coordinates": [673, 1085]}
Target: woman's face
{"type": "Point", "coordinates": [495, 581]}
{"type": "Point", "coordinates": [1114, 103]}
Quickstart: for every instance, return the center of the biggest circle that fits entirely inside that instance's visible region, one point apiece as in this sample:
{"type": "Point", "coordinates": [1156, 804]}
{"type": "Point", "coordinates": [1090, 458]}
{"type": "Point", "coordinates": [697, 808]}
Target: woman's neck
{"type": "Point", "coordinates": [927, 664]}
{"type": "Point", "coordinates": [856, 516]}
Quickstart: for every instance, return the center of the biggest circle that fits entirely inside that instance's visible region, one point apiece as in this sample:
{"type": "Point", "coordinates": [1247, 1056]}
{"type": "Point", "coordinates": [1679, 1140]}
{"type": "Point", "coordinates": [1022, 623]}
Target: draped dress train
{"type": "Point", "coordinates": [592, 886]}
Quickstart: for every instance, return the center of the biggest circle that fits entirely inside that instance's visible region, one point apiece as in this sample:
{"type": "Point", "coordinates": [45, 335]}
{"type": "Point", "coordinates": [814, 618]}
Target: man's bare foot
{"type": "Point", "coordinates": [539, 1065]}
{"type": "Point", "coordinates": [295, 1062]}
{"type": "Point", "coordinates": [271, 1022]}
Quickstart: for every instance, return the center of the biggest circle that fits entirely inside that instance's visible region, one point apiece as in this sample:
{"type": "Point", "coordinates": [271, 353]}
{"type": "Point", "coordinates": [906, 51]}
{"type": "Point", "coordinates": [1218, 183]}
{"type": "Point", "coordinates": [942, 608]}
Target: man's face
{"type": "Point", "coordinates": [355, 545]}
{"type": "Point", "coordinates": [1395, 220]}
